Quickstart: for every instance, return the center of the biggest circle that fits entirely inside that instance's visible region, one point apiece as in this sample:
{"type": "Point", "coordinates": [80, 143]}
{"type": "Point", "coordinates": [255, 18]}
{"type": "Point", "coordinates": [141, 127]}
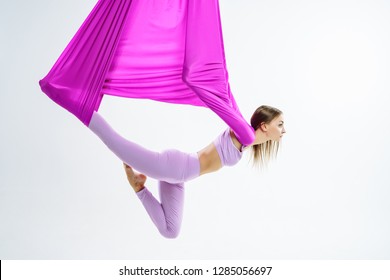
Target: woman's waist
{"type": "Point", "coordinates": [209, 159]}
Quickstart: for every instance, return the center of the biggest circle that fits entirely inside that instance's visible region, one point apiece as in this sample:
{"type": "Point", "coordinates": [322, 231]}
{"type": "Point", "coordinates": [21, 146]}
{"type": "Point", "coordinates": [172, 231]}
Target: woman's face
{"type": "Point", "coordinates": [275, 129]}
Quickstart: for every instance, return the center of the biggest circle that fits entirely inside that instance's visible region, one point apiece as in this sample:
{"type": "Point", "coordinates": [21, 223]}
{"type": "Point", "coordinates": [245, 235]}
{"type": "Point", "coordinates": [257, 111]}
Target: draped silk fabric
{"type": "Point", "coordinates": [167, 50]}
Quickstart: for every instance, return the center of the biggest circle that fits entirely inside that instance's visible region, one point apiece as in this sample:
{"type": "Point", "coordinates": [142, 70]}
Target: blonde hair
{"type": "Point", "coordinates": [264, 152]}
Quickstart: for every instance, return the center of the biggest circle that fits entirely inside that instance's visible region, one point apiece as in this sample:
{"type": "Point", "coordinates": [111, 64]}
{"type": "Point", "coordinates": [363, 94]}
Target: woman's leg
{"type": "Point", "coordinates": [169, 166]}
{"type": "Point", "coordinates": [168, 213]}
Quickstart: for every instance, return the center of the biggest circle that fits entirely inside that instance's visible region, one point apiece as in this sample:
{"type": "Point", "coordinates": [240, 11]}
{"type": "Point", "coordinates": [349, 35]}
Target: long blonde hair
{"type": "Point", "coordinates": [263, 153]}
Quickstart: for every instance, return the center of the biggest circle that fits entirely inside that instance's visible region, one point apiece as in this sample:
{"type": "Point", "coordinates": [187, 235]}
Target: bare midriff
{"type": "Point", "coordinates": [209, 159]}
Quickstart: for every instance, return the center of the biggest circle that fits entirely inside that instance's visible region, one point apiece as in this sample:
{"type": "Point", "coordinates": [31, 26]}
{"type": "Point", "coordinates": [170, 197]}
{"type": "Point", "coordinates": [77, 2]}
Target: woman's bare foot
{"type": "Point", "coordinates": [136, 180]}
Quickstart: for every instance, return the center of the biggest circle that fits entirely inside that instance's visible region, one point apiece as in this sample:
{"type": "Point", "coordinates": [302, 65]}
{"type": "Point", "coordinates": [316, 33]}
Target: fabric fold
{"type": "Point", "coordinates": [76, 79]}
{"type": "Point", "coordinates": [168, 51]}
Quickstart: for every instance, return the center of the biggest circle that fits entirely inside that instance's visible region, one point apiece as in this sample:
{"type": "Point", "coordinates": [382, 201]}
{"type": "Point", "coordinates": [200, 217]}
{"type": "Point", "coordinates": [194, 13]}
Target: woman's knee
{"type": "Point", "coordinates": [170, 233]}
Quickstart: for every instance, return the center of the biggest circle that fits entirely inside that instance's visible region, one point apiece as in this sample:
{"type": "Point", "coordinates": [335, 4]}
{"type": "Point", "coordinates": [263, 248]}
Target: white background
{"type": "Point", "coordinates": [326, 64]}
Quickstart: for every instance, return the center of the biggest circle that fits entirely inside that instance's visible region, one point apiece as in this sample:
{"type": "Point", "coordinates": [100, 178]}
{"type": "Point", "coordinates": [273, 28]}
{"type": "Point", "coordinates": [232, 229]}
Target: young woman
{"type": "Point", "coordinates": [173, 168]}
{"type": "Point", "coordinates": [168, 51]}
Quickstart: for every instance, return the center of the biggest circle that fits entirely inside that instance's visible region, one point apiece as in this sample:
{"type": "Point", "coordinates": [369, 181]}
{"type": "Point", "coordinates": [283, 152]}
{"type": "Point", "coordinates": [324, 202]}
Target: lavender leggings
{"type": "Point", "coordinates": [171, 167]}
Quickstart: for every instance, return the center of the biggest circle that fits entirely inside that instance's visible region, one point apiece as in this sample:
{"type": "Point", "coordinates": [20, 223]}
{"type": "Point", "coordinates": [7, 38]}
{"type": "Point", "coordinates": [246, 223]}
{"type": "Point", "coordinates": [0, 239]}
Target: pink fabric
{"type": "Point", "coordinates": [167, 50]}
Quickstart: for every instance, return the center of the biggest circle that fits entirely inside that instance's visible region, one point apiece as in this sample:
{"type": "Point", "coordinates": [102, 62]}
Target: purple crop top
{"type": "Point", "coordinates": [228, 153]}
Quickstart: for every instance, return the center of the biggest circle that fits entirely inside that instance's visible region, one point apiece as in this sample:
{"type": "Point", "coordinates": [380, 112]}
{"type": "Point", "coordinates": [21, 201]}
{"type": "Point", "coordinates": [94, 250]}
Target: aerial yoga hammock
{"type": "Point", "coordinates": [168, 50]}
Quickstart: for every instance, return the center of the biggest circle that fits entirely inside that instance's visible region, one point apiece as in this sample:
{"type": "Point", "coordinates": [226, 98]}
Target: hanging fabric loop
{"type": "Point", "coordinates": [169, 51]}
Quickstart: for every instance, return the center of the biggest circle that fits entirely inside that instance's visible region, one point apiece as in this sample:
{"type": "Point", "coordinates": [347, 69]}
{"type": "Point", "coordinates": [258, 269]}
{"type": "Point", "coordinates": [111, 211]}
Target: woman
{"type": "Point", "coordinates": [168, 51]}
{"type": "Point", "coordinates": [172, 168]}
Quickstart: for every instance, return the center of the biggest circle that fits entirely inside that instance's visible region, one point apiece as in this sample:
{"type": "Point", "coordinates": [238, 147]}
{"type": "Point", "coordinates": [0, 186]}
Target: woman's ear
{"type": "Point", "coordinates": [263, 127]}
